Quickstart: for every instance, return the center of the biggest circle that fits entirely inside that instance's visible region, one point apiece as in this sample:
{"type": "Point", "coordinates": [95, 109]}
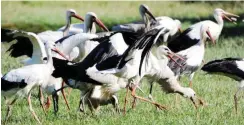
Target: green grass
{"type": "Point", "coordinates": [217, 91]}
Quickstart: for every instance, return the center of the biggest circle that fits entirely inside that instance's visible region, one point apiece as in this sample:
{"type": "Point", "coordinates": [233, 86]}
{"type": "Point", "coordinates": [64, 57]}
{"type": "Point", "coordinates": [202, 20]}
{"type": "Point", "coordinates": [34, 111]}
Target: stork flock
{"type": "Point", "coordinates": [101, 64]}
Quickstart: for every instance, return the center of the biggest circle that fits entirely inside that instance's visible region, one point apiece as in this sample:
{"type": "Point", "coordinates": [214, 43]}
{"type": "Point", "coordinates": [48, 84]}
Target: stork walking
{"type": "Point", "coordinates": [191, 35]}
{"type": "Point", "coordinates": [230, 67]}
{"type": "Point", "coordinates": [30, 44]}
{"type": "Point", "coordinates": [111, 48]}
{"type": "Point", "coordinates": [193, 55]}
{"type": "Point", "coordinates": [185, 44]}
{"type": "Point", "coordinates": [19, 82]}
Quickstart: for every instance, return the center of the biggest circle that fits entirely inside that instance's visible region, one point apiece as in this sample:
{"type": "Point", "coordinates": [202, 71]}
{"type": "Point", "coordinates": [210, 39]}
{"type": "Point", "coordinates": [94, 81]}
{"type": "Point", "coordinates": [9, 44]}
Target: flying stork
{"type": "Point", "coordinates": [19, 82]}
{"type": "Point", "coordinates": [230, 67]}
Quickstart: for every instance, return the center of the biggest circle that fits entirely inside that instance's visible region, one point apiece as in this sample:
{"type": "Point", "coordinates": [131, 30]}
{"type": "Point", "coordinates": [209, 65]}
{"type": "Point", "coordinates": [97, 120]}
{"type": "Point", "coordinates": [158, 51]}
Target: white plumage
{"type": "Point", "coordinates": [19, 82]}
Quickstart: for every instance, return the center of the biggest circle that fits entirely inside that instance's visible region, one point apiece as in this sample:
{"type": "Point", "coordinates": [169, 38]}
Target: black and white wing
{"type": "Point", "coordinates": [143, 44]}
{"type": "Point", "coordinates": [231, 67]}
{"type": "Point", "coordinates": [184, 41]}
{"type": "Point", "coordinates": [28, 43]}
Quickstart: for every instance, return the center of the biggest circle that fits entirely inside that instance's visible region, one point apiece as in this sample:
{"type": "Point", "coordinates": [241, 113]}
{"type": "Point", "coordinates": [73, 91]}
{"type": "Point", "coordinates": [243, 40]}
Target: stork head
{"type": "Point", "coordinates": [220, 14]}
{"type": "Point", "coordinates": [72, 13]}
{"type": "Point", "coordinates": [190, 93]}
{"type": "Point", "coordinates": [164, 50]}
{"type": "Point", "coordinates": [205, 33]}
{"type": "Point", "coordinates": [144, 9]}
{"type": "Point", "coordinates": [92, 18]}
{"type": "Point", "coordinates": [51, 45]}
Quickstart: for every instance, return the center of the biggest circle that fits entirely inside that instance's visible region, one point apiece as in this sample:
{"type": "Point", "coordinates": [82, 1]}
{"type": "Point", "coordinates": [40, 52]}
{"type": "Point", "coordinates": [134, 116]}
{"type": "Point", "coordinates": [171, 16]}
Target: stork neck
{"type": "Point", "coordinates": [49, 60]}
{"type": "Point", "coordinates": [67, 26]}
{"type": "Point", "coordinates": [90, 27]}
{"type": "Point", "coordinates": [220, 21]}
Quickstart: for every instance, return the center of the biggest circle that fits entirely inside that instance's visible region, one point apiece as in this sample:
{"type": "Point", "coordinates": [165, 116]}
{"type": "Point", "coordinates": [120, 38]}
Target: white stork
{"type": "Point", "coordinates": [230, 67]}
{"type": "Point", "coordinates": [19, 82]}
{"type": "Point", "coordinates": [191, 35]}
{"type": "Point", "coordinates": [185, 44]}
{"type": "Point", "coordinates": [138, 27]}
{"type": "Point", "coordinates": [113, 44]}
{"type": "Point", "coordinates": [88, 26]}
{"type": "Point", "coordinates": [55, 35]}
{"type": "Point", "coordinates": [30, 44]}
{"type": "Point", "coordinates": [193, 55]}
{"type": "Point", "coordinates": [130, 69]}
{"type": "Point", "coordinates": [141, 27]}
{"type": "Point", "coordinates": [110, 50]}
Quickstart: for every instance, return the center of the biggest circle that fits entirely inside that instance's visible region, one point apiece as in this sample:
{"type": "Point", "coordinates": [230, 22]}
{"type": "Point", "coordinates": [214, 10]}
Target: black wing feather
{"type": "Point", "coordinates": [226, 66]}
{"type": "Point", "coordinates": [23, 46]}
{"type": "Point", "coordinates": [182, 42]}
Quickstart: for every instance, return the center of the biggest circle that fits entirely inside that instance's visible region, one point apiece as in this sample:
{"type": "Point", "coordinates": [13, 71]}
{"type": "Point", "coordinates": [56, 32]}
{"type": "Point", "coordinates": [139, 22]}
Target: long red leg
{"type": "Point", "coordinates": [41, 99]}
{"type": "Point", "coordinates": [127, 91]}
{"type": "Point", "coordinates": [134, 103]}
{"type": "Point", "coordinates": [63, 93]}
{"type": "Point", "coordinates": [190, 84]}
{"type": "Point", "coordinates": [69, 91]}
{"type": "Point", "coordinates": [48, 103]}
{"type": "Point", "coordinates": [31, 110]}
{"type": "Point", "coordinates": [144, 99]}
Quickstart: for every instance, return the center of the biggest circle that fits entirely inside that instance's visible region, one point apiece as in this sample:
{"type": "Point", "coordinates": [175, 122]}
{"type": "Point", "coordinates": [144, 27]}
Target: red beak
{"type": "Point", "coordinates": [78, 17]}
{"type": "Point", "coordinates": [171, 55]}
{"type": "Point", "coordinates": [226, 14]}
{"type": "Point", "coordinates": [60, 53]}
{"type": "Point", "coordinates": [99, 23]}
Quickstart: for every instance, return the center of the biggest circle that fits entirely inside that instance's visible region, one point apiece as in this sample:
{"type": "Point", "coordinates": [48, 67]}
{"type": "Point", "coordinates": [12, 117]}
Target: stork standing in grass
{"type": "Point", "coordinates": [117, 44]}
{"type": "Point", "coordinates": [66, 44]}
{"type": "Point", "coordinates": [29, 44]}
{"type": "Point", "coordinates": [111, 49]}
{"type": "Point", "coordinates": [128, 68]}
{"type": "Point", "coordinates": [193, 55]}
{"type": "Point", "coordinates": [191, 35]}
{"type": "Point", "coordinates": [19, 82]}
{"type": "Point", "coordinates": [186, 43]}
{"type": "Point", "coordinates": [230, 67]}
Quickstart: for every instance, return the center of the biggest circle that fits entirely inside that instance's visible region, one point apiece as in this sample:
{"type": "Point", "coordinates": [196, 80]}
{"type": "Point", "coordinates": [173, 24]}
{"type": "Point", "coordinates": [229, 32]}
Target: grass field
{"type": "Point", "coordinates": [217, 91]}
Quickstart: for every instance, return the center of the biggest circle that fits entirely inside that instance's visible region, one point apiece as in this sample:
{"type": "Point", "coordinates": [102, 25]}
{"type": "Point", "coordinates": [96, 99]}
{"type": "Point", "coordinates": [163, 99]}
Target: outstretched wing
{"type": "Point", "coordinates": [27, 43]}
